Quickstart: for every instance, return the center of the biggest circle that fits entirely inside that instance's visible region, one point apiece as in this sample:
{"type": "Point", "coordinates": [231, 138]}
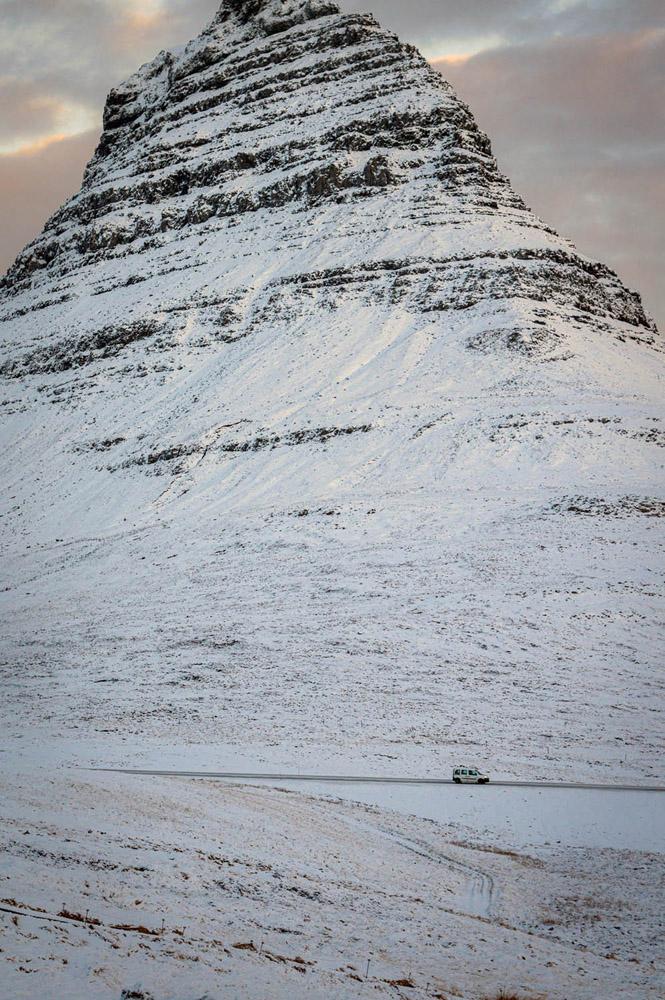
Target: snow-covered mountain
{"type": "Point", "coordinates": [312, 430]}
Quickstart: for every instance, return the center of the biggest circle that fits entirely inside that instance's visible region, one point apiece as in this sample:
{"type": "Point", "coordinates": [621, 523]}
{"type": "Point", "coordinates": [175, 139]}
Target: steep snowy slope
{"type": "Point", "coordinates": [312, 429]}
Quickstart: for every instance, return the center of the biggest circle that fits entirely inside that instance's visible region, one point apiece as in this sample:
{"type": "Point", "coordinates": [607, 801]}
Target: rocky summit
{"type": "Point", "coordinates": [313, 431]}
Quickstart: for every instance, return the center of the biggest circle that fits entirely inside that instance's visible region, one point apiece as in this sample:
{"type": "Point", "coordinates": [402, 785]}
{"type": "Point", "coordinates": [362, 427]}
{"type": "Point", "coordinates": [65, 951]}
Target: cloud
{"type": "Point", "coordinates": [34, 183]}
{"type": "Point", "coordinates": [26, 111]}
{"type": "Point", "coordinates": [599, 92]}
{"type": "Point", "coordinates": [579, 126]}
{"type": "Point", "coordinates": [59, 60]}
{"type": "Point", "coordinates": [75, 51]}
{"type": "Point", "coordinates": [455, 22]}
{"type": "Point", "coordinates": [30, 113]}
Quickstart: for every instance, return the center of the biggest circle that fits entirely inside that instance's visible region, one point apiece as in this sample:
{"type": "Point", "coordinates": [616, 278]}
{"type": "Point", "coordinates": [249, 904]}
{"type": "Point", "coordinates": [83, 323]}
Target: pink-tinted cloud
{"type": "Point", "coordinates": [579, 126]}
{"type": "Point", "coordinates": [34, 183]}
{"type": "Point", "coordinates": [26, 111]}
{"type": "Point", "coordinates": [613, 85]}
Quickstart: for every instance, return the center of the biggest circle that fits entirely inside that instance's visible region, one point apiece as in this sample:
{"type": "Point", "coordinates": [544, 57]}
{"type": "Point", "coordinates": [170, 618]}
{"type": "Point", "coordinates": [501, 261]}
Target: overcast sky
{"type": "Point", "coordinates": [571, 92]}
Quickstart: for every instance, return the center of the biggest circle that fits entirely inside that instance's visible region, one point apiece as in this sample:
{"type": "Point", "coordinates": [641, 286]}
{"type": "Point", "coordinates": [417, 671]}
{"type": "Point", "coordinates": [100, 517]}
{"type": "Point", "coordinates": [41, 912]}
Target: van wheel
{"type": "Point", "coordinates": [457, 781]}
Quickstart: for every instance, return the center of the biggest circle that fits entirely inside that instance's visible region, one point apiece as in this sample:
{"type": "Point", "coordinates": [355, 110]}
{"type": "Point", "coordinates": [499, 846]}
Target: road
{"type": "Point", "coordinates": [373, 779]}
{"type": "Point", "coordinates": [516, 813]}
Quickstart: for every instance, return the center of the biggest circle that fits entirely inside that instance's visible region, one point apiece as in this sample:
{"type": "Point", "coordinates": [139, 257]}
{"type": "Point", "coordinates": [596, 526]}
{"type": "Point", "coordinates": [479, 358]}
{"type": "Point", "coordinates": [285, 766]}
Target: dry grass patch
{"type": "Point", "coordinates": [81, 918]}
{"type": "Point", "coordinates": [503, 995]}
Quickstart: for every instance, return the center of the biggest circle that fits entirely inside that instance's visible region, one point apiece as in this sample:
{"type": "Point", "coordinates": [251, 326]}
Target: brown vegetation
{"type": "Point", "coordinates": [503, 995]}
{"type": "Point", "coordinates": [137, 928]}
{"type": "Point", "coordinates": [80, 917]}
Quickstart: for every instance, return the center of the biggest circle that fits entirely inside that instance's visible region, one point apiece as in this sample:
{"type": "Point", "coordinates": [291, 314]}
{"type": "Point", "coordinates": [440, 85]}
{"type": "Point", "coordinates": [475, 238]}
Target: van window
{"type": "Point", "coordinates": [464, 771]}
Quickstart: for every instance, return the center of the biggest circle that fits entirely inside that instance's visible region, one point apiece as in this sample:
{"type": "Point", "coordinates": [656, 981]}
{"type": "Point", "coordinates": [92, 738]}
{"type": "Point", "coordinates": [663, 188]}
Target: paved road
{"type": "Point", "coordinates": [372, 779]}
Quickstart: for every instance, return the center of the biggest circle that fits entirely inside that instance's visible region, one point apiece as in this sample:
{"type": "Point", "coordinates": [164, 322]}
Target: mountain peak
{"type": "Point", "coordinates": [272, 16]}
{"type": "Point", "coordinates": [285, 239]}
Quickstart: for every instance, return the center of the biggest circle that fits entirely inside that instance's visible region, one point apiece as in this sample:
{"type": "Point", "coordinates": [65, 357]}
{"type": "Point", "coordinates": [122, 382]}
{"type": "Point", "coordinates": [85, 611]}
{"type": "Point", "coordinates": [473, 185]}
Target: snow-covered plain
{"type": "Point", "coordinates": [265, 893]}
{"type": "Point", "coordinates": [524, 639]}
{"type": "Point", "coordinates": [319, 448]}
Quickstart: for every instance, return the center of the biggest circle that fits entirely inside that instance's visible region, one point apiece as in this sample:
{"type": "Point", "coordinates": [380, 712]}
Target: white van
{"type": "Point", "coordinates": [469, 776]}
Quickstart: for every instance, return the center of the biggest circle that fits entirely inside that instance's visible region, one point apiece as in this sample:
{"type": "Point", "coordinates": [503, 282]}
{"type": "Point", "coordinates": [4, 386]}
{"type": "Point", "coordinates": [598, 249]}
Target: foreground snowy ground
{"type": "Point", "coordinates": [515, 624]}
{"type": "Point", "coordinates": [197, 889]}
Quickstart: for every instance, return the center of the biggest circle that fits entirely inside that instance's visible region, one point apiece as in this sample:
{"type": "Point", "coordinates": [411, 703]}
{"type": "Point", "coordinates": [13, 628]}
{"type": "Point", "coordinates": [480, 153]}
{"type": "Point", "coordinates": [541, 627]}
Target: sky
{"type": "Point", "coordinates": [571, 92]}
